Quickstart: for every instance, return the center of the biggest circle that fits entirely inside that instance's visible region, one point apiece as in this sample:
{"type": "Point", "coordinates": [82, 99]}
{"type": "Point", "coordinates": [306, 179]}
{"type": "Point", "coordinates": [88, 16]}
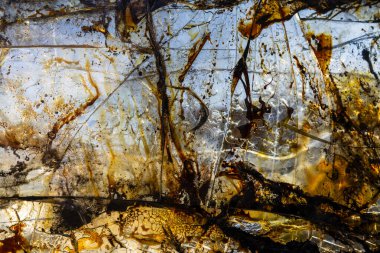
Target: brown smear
{"type": "Point", "coordinates": [111, 167]}
{"type": "Point", "coordinates": [48, 13]}
{"type": "Point", "coordinates": [194, 52]}
{"type": "Point", "coordinates": [87, 158]}
{"type": "Point", "coordinates": [21, 136]}
{"type": "Point", "coordinates": [302, 70]}
{"type": "Point", "coordinates": [15, 243]}
{"type": "Point", "coordinates": [322, 49]}
{"type": "Point", "coordinates": [312, 84]}
{"type": "Point", "coordinates": [59, 60]}
{"type": "Point", "coordinates": [329, 179]}
{"type": "Point", "coordinates": [98, 26]}
{"type": "Point", "coordinates": [347, 116]}
{"type": "Point", "coordinates": [271, 12]}
{"type": "Point", "coordinates": [140, 126]}
{"type": "Point", "coordinates": [66, 119]}
{"type": "Point", "coordinates": [176, 141]}
{"type": "Point", "coordinates": [129, 22]}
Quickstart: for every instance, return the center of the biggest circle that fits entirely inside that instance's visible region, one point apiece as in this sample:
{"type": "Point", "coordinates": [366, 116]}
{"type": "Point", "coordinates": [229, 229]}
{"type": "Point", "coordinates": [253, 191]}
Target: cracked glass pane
{"type": "Point", "coordinates": [189, 126]}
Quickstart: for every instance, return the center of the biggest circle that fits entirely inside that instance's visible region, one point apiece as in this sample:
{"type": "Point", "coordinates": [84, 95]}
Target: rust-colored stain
{"type": "Point", "coordinates": [194, 52]}
{"type": "Point", "coordinates": [15, 243]}
{"type": "Point", "coordinates": [322, 47]}
{"type": "Point", "coordinates": [268, 140]}
{"type": "Point", "coordinates": [265, 13]}
{"type": "Point", "coordinates": [21, 136]}
{"type": "Point", "coordinates": [77, 111]}
{"type": "Point", "coordinates": [59, 60]}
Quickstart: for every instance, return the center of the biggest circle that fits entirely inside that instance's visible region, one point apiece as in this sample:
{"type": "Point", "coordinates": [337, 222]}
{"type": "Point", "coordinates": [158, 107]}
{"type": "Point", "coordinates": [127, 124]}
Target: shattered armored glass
{"type": "Point", "coordinates": [189, 126]}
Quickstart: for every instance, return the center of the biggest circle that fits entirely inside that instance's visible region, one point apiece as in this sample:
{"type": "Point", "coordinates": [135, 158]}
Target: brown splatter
{"type": "Point", "coordinates": [21, 136]}
{"type": "Point", "coordinates": [322, 47]}
{"type": "Point", "coordinates": [15, 243]}
{"type": "Point", "coordinates": [267, 12]}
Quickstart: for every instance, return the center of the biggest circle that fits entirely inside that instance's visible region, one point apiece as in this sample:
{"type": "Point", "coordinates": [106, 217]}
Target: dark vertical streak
{"type": "Point", "coordinates": [161, 86]}
{"type": "Point", "coordinates": [366, 57]}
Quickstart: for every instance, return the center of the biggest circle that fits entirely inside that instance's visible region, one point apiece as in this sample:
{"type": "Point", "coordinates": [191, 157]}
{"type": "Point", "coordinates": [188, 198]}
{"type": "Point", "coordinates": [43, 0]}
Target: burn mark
{"type": "Point", "coordinates": [73, 213]}
{"type": "Point", "coordinates": [173, 240]}
{"type": "Point", "coordinates": [188, 181]}
{"type": "Point", "coordinates": [255, 115]}
{"type": "Point", "coordinates": [51, 158]}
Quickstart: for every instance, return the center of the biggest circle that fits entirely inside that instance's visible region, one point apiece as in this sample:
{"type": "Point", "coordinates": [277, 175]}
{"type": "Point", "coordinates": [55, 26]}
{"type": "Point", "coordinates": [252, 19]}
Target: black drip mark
{"type": "Point", "coordinates": [161, 87]}
{"type": "Point", "coordinates": [366, 57]}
